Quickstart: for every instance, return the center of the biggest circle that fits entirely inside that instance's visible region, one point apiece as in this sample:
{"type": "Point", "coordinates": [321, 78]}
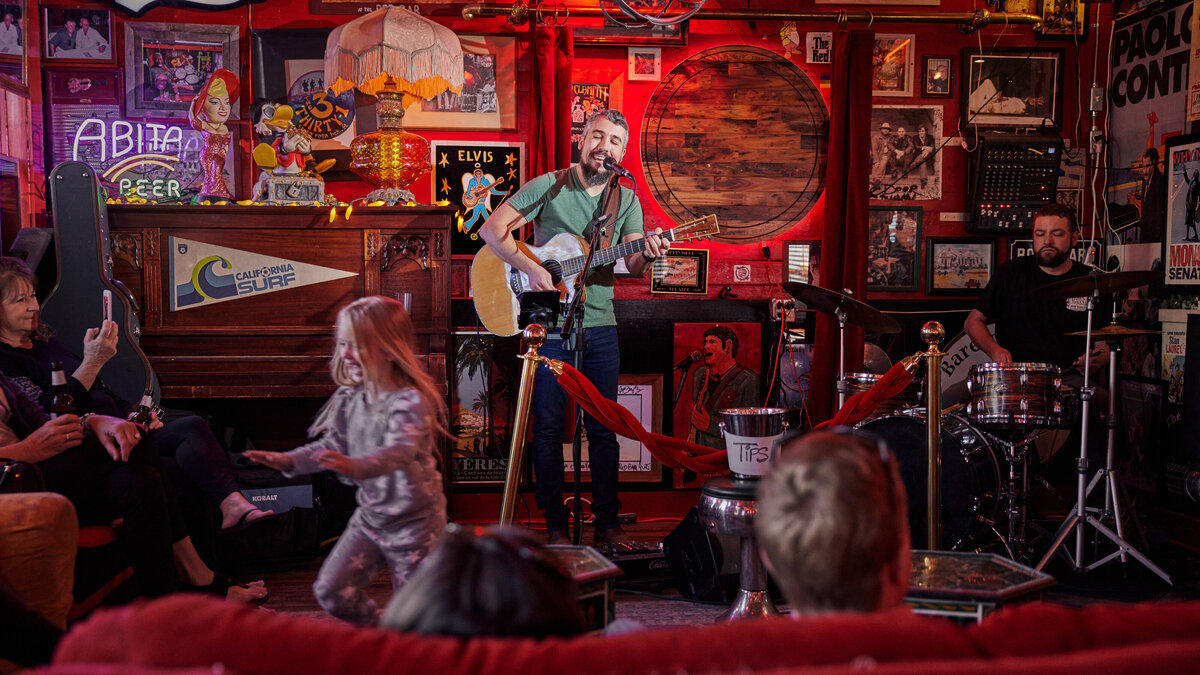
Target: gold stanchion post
{"type": "Point", "coordinates": [534, 336]}
{"type": "Point", "coordinates": [932, 333]}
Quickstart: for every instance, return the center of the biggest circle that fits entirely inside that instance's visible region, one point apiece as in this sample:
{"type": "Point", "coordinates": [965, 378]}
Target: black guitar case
{"type": "Point", "coordinates": [84, 272]}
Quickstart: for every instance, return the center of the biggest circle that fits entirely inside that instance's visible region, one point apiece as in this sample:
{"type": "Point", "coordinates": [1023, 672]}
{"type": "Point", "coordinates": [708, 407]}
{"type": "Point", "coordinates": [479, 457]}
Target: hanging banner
{"type": "Point", "coordinates": [204, 274]}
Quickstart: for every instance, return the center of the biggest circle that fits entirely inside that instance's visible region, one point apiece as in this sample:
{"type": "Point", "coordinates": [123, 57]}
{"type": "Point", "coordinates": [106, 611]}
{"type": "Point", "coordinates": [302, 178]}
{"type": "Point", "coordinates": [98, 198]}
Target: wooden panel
{"type": "Point", "coordinates": [279, 343]}
{"type": "Point", "coordinates": [741, 132]}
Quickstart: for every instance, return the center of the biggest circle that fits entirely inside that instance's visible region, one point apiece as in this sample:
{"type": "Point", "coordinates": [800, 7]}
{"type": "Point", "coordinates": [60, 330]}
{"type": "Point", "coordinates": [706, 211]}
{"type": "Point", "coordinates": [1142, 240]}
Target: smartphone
{"type": "Point", "coordinates": [108, 305]}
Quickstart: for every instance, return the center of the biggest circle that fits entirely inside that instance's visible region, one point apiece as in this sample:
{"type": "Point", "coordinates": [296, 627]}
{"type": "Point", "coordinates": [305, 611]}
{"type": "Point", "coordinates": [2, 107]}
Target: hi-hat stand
{"type": "Point", "coordinates": [1081, 516]}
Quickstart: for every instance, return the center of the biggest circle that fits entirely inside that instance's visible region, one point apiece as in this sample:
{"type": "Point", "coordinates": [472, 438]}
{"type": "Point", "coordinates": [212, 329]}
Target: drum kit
{"type": "Point", "coordinates": [985, 441]}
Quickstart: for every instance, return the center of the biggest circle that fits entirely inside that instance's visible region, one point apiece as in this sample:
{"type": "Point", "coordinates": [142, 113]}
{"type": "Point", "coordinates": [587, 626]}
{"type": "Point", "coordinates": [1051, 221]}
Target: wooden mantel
{"type": "Point", "coordinates": [279, 343]}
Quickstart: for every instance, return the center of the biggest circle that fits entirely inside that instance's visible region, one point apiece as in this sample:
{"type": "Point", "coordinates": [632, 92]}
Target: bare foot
{"type": "Point", "coordinates": [236, 510]}
{"type": "Point", "coordinates": [254, 592]}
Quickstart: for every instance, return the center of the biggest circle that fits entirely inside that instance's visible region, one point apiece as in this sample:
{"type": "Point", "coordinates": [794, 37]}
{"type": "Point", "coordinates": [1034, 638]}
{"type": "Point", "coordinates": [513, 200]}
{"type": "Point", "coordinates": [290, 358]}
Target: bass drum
{"type": "Point", "coordinates": [970, 480]}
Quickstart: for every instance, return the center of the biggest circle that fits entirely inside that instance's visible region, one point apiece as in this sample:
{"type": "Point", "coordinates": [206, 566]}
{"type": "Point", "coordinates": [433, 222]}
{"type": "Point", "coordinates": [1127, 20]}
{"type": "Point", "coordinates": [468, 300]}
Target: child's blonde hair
{"type": "Point", "coordinates": [383, 337]}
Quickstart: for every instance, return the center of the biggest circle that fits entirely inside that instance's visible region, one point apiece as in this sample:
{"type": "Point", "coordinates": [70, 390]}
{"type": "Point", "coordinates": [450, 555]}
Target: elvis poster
{"type": "Point", "coordinates": [476, 177]}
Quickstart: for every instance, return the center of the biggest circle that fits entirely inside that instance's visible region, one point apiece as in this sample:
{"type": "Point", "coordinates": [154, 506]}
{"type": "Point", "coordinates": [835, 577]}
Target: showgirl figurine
{"type": "Point", "coordinates": [208, 113]}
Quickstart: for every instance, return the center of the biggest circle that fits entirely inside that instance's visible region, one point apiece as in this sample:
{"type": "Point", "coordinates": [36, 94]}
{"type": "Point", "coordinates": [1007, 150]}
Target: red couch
{"type": "Point", "coordinates": [189, 633]}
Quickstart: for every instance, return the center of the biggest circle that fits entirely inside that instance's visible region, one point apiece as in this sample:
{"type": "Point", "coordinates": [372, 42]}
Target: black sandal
{"type": "Point", "coordinates": [220, 587]}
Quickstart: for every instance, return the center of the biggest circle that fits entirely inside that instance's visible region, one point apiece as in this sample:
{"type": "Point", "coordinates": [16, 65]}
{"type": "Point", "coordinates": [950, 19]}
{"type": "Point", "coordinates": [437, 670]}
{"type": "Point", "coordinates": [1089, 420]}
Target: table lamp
{"type": "Point", "coordinates": [399, 57]}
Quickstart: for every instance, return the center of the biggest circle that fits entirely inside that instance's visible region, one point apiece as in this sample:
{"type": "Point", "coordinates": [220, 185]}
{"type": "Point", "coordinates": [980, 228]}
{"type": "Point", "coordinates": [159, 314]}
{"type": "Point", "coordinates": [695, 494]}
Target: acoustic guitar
{"type": "Point", "coordinates": [497, 286]}
{"type": "Point", "coordinates": [477, 193]}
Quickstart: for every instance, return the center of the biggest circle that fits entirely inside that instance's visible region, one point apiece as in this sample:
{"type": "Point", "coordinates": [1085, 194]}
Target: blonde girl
{"type": "Point", "coordinates": [379, 431]}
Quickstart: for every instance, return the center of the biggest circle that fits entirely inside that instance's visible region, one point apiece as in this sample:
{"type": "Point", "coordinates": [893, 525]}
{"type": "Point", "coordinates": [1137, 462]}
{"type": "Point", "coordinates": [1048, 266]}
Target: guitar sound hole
{"type": "Point", "coordinates": [555, 270]}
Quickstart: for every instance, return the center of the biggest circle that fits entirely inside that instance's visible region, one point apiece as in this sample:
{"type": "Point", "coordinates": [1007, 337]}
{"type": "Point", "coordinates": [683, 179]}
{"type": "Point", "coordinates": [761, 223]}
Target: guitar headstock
{"type": "Point", "coordinates": [700, 228]}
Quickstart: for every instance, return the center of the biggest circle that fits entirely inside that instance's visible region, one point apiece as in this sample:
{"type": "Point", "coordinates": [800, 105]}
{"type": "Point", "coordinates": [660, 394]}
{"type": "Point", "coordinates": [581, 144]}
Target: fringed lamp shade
{"type": "Point", "coordinates": [399, 57]}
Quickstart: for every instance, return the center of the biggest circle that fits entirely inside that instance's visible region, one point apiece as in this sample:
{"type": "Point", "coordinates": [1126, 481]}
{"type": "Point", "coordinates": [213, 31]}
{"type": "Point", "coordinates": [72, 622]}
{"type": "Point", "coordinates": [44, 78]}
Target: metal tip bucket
{"type": "Point", "coordinates": [752, 439]}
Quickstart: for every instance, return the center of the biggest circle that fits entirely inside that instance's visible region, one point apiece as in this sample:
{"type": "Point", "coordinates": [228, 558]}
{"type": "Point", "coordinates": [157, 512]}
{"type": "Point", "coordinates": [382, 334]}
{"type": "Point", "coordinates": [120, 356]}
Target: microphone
{"type": "Point", "coordinates": [617, 168]}
{"type": "Point", "coordinates": [689, 360]}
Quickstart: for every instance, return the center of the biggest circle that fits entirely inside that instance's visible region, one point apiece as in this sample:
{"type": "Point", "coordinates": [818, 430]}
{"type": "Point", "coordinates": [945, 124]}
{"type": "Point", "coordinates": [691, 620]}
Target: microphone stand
{"type": "Point", "coordinates": [572, 335]}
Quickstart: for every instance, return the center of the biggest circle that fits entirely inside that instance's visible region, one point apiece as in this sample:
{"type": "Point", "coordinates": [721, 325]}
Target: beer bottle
{"type": "Point", "coordinates": [142, 415]}
{"type": "Point", "coordinates": [62, 402]}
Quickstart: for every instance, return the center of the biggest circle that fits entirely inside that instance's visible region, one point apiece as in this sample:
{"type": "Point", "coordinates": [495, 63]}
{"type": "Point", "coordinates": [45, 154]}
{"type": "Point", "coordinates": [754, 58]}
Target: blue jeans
{"type": "Point", "coordinates": [602, 365]}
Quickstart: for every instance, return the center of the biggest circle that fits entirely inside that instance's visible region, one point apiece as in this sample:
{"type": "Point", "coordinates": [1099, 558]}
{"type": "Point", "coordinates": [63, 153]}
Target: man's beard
{"type": "Point", "coordinates": [591, 176]}
{"type": "Point", "coordinates": [1056, 259]}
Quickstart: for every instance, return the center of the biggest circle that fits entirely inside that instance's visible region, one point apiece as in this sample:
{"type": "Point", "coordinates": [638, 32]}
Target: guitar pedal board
{"type": "Point", "coordinates": [1013, 175]}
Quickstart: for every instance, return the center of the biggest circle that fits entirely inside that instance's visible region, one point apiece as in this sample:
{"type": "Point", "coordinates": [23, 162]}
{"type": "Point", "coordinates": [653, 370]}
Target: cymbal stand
{"type": "Point", "coordinates": [1080, 516]}
{"type": "Point", "coordinates": [841, 378]}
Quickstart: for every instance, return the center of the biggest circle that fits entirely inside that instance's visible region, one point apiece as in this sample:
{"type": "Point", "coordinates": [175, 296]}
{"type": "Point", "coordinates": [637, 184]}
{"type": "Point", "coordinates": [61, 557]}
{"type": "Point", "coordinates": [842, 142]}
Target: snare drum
{"type": "Point", "coordinates": [909, 397]}
{"type": "Point", "coordinates": [1021, 394]}
{"type": "Point", "coordinates": [970, 478]}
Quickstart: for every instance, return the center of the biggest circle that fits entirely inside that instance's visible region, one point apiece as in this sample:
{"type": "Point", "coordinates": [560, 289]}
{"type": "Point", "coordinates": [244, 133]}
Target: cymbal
{"type": "Point", "coordinates": [1115, 331]}
{"type": "Point", "coordinates": [875, 360]}
{"type": "Point", "coordinates": [830, 302]}
{"type": "Point", "coordinates": [1100, 282]}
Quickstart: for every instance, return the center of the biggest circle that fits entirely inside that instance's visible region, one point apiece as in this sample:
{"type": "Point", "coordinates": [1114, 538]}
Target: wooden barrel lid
{"type": "Point", "coordinates": [741, 132]}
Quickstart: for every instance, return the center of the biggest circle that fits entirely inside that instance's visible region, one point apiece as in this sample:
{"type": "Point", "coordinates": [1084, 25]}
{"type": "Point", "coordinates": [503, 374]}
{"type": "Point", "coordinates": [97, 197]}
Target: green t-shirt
{"type": "Point", "coordinates": [558, 202]}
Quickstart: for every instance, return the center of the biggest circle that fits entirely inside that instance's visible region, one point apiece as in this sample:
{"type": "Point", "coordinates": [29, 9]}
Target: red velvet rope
{"type": "Point", "coordinates": [680, 454]}
{"type": "Point", "coordinates": [860, 405]}
{"type": "Point", "coordinates": [673, 452]}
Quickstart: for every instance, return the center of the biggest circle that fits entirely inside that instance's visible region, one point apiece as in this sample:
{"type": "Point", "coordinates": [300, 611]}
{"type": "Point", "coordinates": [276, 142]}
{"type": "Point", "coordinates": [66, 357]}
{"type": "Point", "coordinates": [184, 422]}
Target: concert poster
{"type": "Point", "coordinates": [586, 100]}
{"type": "Point", "coordinates": [476, 177]}
{"type": "Point", "coordinates": [1183, 211]}
{"type": "Point", "coordinates": [484, 390]}
{"type": "Point", "coordinates": [691, 382]}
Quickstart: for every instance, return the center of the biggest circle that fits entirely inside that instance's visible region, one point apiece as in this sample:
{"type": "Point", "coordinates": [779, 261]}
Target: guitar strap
{"type": "Point", "coordinates": [610, 208]}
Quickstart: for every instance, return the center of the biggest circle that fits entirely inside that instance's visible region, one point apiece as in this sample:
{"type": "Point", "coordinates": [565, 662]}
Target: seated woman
{"type": "Point", "coordinates": [27, 352]}
{"type": "Point", "coordinates": [488, 581]}
{"type": "Point", "coordinates": [101, 464]}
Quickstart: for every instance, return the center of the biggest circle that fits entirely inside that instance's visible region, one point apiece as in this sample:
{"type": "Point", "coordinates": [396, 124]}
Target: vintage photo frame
{"type": "Point", "coordinates": [75, 94]}
{"type": "Point", "coordinates": [1012, 87]}
{"type": "Point", "coordinates": [95, 45]}
{"type": "Point", "coordinates": [681, 270]}
{"type": "Point", "coordinates": [1063, 19]}
{"type": "Point", "coordinates": [644, 64]}
{"type": "Point", "coordinates": [894, 248]}
{"type": "Point", "coordinates": [186, 52]}
{"type": "Point", "coordinates": [14, 56]}
{"type": "Point", "coordinates": [937, 76]}
{"type": "Point", "coordinates": [906, 164]}
{"type": "Point", "coordinates": [489, 105]}
{"type": "Point", "coordinates": [1181, 240]}
{"type": "Point", "coordinates": [502, 171]}
{"type": "Point", "coordinates": [641, 394]}
{"type": "Point", "coordinates": [802, 261]}
{"type": "Point", "coordinates": [958, 265]}
{"type": "Point", "coordinates": [893, 63]}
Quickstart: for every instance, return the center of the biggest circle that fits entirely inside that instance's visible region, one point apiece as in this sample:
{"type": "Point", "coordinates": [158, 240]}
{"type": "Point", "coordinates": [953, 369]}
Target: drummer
{"type": "Point", "coordinates": [1031, 329]}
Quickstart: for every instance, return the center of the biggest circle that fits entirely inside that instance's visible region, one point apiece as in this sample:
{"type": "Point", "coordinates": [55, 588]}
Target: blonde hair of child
{"type": "Point", "coordinates": [383, 337]}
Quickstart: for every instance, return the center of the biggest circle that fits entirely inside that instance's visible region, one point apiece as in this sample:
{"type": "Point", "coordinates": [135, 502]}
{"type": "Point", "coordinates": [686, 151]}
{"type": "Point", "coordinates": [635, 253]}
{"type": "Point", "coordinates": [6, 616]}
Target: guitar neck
{"type": "Point", "coordinates": [573, 266]}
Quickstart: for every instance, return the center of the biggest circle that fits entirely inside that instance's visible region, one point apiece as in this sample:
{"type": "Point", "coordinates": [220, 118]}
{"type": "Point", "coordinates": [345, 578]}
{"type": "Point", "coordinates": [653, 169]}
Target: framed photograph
{"type": "Point", "coordinates": [681, 270]}
{"type": "Point", "coordinates": [476, 177]}
{"type": "Point", "coordinates": [1063, 19]}
{"type": "Point", "coordinates": [1182, 239]}
{"type": "Point", "coordinates": [12, 46]}
{"type": "Point", "coordinates": [906, 164]}
{"type": "Point", "coordinates": [167, 63]}
{"type": "Point", "coordinates": [488, 102]}
{"type": "Point", "coordinates": [289, 66]}
{"type": "Point", "coordinates": [733, 349]}
{"type": "Point", "coordinates": [640, 394]}
{"type": "Point", "coordinates": [894, 248]}
{"type": "Point", "coordinates": [645, 64]}
{"type": "Point", "coordinates": [958, 265]}
{"type": "Point", "coordinates": [802, 261]}
{"type": "Point", "coordinates": [77, 33]}
{"type": "Point", "coordinates": [1012, 88]}
{"type": "Point", "coordinates": [937, 75]}
{"type": "Point", "coordinates": [893, 64]}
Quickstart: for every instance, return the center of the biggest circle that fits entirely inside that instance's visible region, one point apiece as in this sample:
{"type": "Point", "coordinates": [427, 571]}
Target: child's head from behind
{"type": "Point", "coordinates": [487, 581]}
{"type": "Point", "coordinates": [374, 343]}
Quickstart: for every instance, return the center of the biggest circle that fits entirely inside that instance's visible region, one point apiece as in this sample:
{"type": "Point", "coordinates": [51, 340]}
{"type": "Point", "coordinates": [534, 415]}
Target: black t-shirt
{"type": "Point", "coordinates": [1033, 329]}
